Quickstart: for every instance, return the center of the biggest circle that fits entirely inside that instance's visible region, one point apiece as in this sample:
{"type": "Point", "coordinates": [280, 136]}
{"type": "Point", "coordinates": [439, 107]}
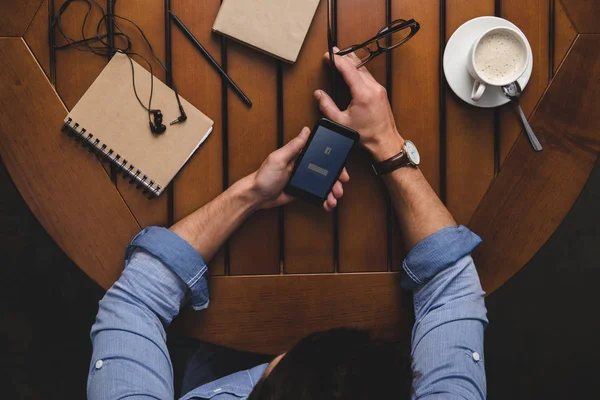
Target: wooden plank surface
{"type": "Point", "coordinates": [65, 187]}
{"type": "Point", "coordinates": [564, 34]}
{"type": "Point", "coordinates": [533, 18]}
{"type": "Point", "coordinates": [150, 18]}
{"type": "Point", "coordinates": [585, 14]}
{"type": "Point", "coordinates": [76, 70]}
{"type": "Point", "coordinates": [469, 130]}
{"type": "Point", "coordinates": [534, 191]}
{"type": "Point", "coordinates": [37, 37]}
{"type": "Point", "coordinates": [252, 137]}
{"type": "Point", "coordinates": [363, 210]}
{"type": "Point", "coordinates": [415, 94]}
{"type": "Point", "coordinates": [415, 84]}
{"type": "Point", "coordinates": [15, 16]}
{"type": "Point", "coordinates": [201, 179]}
{"type": "Point", "coordinates": [268, 314]}
{"type": "Point", "coordinates": [308, 230]}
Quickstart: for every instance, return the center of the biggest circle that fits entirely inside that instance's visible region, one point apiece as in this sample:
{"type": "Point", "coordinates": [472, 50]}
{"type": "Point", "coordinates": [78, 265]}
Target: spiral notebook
{"type": "Point", "coordinates": [110, 121]}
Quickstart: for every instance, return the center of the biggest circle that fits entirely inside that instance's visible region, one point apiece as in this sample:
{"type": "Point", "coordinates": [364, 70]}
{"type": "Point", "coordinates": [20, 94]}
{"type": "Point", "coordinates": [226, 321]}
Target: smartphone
{"type": "Point", "coordinates": [322, 161]}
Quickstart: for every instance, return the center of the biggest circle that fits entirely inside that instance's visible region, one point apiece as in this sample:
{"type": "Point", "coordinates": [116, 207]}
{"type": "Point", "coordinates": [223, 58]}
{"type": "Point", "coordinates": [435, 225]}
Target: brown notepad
{"type": "Point", "coordinates": [110, 121]}
{"type": "Point", "coordinates": [277, 27]}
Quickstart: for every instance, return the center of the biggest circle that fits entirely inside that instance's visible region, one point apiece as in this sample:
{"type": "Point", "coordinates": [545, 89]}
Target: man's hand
{"type": "Point", "coordinates": [275, 172]}
{"type": "Point", "coordinates": [369, 112]}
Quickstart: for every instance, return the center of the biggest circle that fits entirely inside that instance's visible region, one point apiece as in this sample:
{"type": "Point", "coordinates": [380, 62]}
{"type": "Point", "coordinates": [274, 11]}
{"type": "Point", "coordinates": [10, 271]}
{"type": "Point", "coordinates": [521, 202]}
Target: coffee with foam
{"type": "Point", "coordinates": [500, 57]}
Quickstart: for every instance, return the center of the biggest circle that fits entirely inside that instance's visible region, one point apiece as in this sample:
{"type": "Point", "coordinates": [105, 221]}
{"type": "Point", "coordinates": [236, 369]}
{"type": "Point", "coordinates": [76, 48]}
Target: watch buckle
{"type": "Point", "coordinates": [374, 169]}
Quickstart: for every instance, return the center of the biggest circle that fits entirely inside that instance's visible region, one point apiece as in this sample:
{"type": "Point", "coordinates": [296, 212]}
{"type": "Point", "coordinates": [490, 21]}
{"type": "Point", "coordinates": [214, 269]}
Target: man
{"type": "Point", "coordinates": [166, 268]}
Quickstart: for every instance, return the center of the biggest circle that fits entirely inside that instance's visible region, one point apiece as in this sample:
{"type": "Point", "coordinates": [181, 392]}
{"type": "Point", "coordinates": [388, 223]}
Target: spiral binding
{"type": "Point", "coordinates": [95, 145]}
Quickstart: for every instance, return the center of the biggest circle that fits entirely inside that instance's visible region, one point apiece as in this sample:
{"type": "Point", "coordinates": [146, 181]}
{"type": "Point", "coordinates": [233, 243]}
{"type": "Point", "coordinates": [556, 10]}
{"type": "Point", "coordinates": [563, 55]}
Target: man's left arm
{"type": "Point", "coordinates": [130, 357]}
{"type": "Point", "coordinates": [164, 270]}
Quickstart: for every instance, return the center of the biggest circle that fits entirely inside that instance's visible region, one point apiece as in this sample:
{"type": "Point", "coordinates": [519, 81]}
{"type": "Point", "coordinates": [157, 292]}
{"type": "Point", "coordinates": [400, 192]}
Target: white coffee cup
{"type": "Point", "coordinates": [497, 58]}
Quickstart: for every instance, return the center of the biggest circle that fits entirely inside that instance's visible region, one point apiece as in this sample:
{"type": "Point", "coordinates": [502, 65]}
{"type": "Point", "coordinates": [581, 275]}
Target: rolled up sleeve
{"type": "Point", "coordinates": [450, 313]}
{"type": "Point", "coordinates": [130, 357]}
{"type": "Point", "coordinates": [179, 256]}
{"type": "Point", "coordinates": [436, 253]}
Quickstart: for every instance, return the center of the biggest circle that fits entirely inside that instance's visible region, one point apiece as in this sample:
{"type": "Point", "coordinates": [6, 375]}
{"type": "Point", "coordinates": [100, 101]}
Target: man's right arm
{"type": "Point", "coordinates": [447, 340]}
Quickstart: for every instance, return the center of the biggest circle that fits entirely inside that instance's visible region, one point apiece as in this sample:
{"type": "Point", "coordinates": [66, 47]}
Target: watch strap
{"type": "Point", "coordinates": [391, 164]}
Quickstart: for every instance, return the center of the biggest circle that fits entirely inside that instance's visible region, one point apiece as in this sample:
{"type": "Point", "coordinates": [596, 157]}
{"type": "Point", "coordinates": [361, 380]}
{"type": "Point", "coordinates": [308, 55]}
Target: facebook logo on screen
{"type": "Point", "coordinates": [321, 162]}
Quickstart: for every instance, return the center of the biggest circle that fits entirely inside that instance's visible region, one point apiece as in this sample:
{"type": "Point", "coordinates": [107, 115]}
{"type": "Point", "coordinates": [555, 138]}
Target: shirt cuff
{"type": "Point", "coordinates": [177, 255]}
{"type": "Point", "coordinates": [436, 253]}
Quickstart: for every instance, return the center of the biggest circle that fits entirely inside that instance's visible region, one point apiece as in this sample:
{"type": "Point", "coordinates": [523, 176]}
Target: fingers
{"type": "Point", "coordinates": [290, 151]}
{"type": "Point", "coordinates": [354, 58]}
{"type": "Point", "coordinates": [337, 192]}
{"type": "Point", "coordinates": [364, 72]}
{"type": "Point", "coordinates": [344, 176]}
{"type": "Point", "coordinates": [285, 199]}
{"type": "Point", "coordinates": [351, 75]}
{"type": "Point", "coordinates": [328, 107]}
{"type": "Point", "coordinates": [330, 202]}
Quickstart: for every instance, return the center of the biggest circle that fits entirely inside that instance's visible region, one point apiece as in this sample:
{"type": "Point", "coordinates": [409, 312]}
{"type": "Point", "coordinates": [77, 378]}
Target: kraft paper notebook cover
{"type": "Point", "coordinates": [110, 121]}
{"type": "Point", "coordinates": [277, 27]}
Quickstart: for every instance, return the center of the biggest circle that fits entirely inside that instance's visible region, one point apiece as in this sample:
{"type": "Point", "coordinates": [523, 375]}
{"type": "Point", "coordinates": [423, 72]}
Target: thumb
{"type": "Point", "coordinates": [328, 107]}
{"type": "Point", "coordinates": [291, 150]}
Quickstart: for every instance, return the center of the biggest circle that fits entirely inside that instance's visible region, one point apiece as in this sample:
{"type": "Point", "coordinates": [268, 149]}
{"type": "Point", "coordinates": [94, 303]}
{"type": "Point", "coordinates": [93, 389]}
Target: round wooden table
{"type": "Point", "coordinates": [287, 272]}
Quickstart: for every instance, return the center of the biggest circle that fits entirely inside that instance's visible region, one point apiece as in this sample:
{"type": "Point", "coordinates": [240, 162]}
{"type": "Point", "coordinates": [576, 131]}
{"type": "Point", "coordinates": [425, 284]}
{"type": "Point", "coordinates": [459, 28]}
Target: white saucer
{"type": "Point", "coordinates": [455, 61]}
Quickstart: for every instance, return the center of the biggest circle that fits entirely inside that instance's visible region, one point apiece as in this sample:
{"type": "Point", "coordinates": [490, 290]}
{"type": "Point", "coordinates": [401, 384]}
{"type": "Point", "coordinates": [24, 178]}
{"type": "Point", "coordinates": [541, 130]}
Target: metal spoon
{"type": "Point", "coordinates": [513, 92]}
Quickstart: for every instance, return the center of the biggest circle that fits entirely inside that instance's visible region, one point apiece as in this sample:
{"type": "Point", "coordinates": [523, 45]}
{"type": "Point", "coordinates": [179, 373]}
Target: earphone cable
{"type": "Point", "coordinates": [149, 108]}
{"type": "Point", "coordinates": [104, 49]}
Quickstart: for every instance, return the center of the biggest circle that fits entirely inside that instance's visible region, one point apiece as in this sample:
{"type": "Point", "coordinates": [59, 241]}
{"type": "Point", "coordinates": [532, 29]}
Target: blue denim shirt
{"type": "Point", "coordinates": [163, 272]}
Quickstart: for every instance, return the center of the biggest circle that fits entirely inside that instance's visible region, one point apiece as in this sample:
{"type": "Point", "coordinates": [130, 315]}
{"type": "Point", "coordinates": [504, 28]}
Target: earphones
{"type": "Point", "coordinates": [157, 127]}
{"type": "Point", "coordinates": [104, 49]}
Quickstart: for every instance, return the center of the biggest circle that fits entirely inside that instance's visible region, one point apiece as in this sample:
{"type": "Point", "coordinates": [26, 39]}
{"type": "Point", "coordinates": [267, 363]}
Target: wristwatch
{"type": "Point", "coordinates": [408, 156]}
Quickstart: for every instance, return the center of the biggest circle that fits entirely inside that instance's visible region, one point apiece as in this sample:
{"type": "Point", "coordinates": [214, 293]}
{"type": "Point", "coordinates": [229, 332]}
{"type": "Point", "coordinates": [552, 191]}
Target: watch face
{"type": "Point", "coordinates": [412, 153]}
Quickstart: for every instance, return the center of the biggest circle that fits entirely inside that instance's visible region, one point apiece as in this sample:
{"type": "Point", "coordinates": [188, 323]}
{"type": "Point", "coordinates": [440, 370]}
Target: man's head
{"type": "Point", "coordinates": [338, 364]}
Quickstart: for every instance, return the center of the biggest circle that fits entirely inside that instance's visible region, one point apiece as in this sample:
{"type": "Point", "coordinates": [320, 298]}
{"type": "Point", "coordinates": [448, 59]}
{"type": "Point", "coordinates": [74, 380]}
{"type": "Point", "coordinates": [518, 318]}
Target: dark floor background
{"type": "Point", "coordinates": [542, 342]}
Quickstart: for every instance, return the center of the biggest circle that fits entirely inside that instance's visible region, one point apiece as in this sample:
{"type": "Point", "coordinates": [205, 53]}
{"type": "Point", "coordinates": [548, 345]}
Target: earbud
{"type": "Point", "coordinates": [157, 127]}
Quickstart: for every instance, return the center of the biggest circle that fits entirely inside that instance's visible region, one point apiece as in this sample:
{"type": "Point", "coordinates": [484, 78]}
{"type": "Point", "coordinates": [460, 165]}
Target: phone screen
{"type": "Point", "coordinates": [322, 162]}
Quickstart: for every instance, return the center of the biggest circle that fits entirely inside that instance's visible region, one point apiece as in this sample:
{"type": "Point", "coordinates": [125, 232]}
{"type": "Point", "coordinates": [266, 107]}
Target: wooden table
{"type": "Point", "coordinates": [290, 271]}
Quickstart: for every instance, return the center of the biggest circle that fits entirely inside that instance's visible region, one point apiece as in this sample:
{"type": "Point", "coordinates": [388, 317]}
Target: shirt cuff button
{"type": "Point", "coordinates": [99, 364]}
{"type": "Point", "coordinates": [476, 356]}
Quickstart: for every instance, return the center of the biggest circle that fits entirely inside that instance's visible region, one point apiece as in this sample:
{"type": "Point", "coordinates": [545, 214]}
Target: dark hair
{"type": "Point", "coordinates": [342, 363]}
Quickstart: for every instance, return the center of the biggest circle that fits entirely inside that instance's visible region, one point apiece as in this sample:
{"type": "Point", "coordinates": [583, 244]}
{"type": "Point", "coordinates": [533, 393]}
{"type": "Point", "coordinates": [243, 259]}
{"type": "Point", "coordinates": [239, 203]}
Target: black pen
{"type": "Point", "coordinates": [210, 58]}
